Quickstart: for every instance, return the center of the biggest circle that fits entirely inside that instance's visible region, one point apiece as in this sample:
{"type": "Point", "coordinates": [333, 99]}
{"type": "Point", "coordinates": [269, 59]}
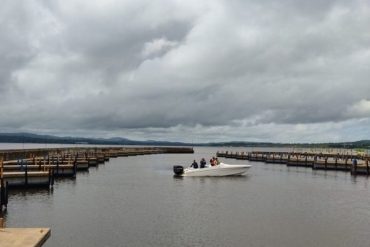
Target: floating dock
{"type": "Point", "coordinates": [356, 164]}
{"type": "Point", "coordinates": [30, 154]}
{"type": "Point", "coordinates": [38, 167]}
{"type": "Point", "coordinates": [28, 168]}
{"type": "Point", "coordinates": [23, 237]}
{"type": "Point", "coordinates": [28, 179]}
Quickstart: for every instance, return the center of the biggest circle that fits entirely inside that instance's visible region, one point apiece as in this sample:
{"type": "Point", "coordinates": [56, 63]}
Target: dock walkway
{"type": "Point", "coordinates": [356, 164]}
{"type": "Point", "coordinates": [23, 237]}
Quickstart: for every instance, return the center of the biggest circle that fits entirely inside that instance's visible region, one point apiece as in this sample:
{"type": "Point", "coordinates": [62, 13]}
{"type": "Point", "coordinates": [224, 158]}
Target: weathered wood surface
{"type": "Point", "coordinates": [23, 237]}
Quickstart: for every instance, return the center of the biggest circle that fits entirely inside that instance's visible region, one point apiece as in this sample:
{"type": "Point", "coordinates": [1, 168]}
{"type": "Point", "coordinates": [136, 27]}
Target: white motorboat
{"type": "Point", "coordinates": [212, 171]}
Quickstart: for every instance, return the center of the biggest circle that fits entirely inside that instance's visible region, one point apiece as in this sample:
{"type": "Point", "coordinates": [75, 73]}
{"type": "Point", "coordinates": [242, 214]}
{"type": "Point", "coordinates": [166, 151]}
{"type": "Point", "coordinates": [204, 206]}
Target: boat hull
{"type": "Point", "coordinates": [217, 171]}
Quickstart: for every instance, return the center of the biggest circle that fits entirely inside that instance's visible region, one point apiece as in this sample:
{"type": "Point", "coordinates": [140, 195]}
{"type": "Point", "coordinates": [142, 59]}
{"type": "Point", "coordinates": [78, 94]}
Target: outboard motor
{"type": "Point", "coordinates": [178, 170]}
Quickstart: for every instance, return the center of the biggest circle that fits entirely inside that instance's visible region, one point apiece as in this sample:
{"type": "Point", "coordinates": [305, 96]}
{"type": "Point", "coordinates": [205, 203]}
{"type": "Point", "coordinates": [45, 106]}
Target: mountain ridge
{"type": "Point", "coordinates": [25, 137]}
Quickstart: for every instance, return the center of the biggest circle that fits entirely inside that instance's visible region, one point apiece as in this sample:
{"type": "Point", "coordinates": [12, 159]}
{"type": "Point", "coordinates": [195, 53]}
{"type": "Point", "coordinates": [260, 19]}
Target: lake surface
{"type": "Point", "coordinates": [135, 201]}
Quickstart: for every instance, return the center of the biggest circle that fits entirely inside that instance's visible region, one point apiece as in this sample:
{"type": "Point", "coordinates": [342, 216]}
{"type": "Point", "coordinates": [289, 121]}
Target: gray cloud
{"type": "Point", "coordinates": [225, 70]}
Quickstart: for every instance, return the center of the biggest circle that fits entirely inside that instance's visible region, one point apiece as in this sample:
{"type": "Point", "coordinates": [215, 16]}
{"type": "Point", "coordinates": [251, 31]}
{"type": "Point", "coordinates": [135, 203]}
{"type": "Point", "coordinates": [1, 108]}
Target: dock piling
{"type": "Point", "coordinates": [354, 167]}
{"type": "Point", "coordinates": [26, 176]}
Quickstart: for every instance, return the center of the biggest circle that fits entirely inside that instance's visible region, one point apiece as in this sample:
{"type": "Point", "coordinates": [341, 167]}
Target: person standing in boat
{"type": "Point", "coordinates": [194, 165]}
{"type": "Point", "coordinates": [203, 163]}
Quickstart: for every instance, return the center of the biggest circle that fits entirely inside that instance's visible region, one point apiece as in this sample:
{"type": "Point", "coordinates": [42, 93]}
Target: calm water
{"type": "Point", "coordinates": [135, 201]}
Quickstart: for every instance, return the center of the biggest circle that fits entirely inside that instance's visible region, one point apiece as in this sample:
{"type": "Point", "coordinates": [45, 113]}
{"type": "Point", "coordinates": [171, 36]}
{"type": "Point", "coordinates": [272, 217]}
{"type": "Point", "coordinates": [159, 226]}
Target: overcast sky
{"type": "Point", "coordinates": [262, 70]}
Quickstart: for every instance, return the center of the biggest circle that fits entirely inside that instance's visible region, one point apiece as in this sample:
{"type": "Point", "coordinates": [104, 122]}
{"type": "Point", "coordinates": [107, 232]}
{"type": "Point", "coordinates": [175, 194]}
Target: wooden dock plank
{"type": "Point", "coordinates": [23, 237]}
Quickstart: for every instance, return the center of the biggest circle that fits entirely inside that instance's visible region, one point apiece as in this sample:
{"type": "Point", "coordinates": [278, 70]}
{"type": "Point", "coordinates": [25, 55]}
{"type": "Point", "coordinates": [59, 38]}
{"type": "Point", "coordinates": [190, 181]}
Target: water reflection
{"type": "Point", "coordinates": [65, 180]}
{"type": "Point", "coordinates": [33, 191]}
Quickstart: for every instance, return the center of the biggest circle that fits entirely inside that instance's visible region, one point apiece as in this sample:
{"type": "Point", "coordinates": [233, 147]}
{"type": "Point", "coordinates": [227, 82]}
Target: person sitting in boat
{"type": "Point", "coordinates": [194, 165]}
{"type": "Point", "coordinates": [203, 163]}
{"type": "Point", "coordinates": [212, 161]}
{"type": "Point", "coordinates": [217, 162]}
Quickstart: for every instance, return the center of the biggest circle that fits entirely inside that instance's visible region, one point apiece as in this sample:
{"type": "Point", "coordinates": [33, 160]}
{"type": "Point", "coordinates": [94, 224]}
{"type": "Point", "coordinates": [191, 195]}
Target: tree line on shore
{"type": "Point", "coordinates": [35, 138]}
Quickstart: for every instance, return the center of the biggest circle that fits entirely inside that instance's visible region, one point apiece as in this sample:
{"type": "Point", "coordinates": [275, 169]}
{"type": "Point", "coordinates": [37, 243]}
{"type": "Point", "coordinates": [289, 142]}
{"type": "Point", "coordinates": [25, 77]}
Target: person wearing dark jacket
{"type": "Point", "coordinates": [194, 165]}
{"type": "Point", "coordinates": [203, 163]}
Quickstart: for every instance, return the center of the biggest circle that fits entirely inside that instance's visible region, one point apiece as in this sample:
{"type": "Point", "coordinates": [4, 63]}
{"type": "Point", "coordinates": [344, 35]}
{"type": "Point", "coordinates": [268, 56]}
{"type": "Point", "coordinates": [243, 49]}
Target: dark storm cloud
{"type": "Point", "coordinates": [169, 69]}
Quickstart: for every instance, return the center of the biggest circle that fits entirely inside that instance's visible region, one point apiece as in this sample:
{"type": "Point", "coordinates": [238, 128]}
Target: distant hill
{"type": "Point", "coordinates": [35, 138]}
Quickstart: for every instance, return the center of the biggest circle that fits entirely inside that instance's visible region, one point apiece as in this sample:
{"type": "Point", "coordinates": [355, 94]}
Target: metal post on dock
{"type": "Point", "coordinates": [2, 189]}
{"type": "Point", "coordinates": [74, 169]}
{"type": "Point", "coordinates": [305, 159]}
{"type": "Point", "coordinates": [26, 175]}
{"type": "Point", "coordinates": [51, 177]}
{"type": "Point", "coordinates": [1, 194]}
{"type": "Point", "coordinates": [6, 190]}
{"type": "Point", "coordinates": [57, 166]}
{"type": "Point", "coordinates": [2, 168]}
{"type": "Point", "coordinates": [354, 167]}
